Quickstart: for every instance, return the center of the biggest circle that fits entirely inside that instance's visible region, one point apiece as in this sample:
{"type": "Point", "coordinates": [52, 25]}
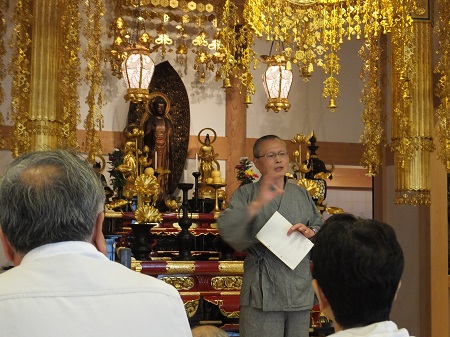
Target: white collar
{"type": "Point", "coordinates": [66, 247]}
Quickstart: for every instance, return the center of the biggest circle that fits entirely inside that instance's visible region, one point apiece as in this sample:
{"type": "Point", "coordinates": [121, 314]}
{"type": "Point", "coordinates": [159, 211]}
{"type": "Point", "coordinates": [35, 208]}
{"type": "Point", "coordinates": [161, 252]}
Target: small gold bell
{"type": "Point", "coordinates": [248, 99]}
{"type": "Point", "coordinates": [226, 83]}
{"type": "Point", "coordinates": [332, 105]}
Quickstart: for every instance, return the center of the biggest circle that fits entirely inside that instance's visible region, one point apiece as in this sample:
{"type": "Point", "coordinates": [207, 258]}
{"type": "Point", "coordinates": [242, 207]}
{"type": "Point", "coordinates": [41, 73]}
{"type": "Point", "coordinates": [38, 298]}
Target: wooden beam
{"type": "Point", "coordinates": [330, 152]}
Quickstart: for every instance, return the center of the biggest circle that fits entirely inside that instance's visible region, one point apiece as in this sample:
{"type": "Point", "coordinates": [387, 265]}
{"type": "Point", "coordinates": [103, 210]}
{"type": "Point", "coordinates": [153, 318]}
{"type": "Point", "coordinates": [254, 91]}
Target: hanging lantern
{"type": "Point", "coordinates": [277, 81]}
{"type": "Point", "coordinates": [137, 71]}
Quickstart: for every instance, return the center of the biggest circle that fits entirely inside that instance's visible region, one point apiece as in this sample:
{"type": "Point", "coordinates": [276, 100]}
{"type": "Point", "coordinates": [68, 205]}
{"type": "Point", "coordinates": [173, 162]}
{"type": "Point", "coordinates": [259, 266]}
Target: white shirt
{"type": "Point", "coordinates": [70, 289]}
{"type": "Point", "coordinates": [380, 329]}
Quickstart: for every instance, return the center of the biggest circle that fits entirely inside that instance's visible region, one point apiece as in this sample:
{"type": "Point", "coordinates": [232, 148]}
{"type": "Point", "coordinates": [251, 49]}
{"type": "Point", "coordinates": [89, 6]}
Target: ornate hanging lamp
{"type": "Point", "coordinates": [277, 81]}
{"type": "Point", "coordinates": [138, 67]}
{"type": "Point", "coordinates": [137, 70]}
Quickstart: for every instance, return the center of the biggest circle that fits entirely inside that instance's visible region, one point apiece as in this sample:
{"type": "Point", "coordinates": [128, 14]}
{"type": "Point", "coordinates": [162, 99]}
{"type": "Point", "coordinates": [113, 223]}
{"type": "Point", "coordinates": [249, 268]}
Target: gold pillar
{"type": "Point", "coordinates": [45, 68]}
{"type": "Point", "coordinates": [412, 172]}
{"type": "Point", "coordinates": [236, 132]}
{"type": "Point", "coordinates": [43, 117]}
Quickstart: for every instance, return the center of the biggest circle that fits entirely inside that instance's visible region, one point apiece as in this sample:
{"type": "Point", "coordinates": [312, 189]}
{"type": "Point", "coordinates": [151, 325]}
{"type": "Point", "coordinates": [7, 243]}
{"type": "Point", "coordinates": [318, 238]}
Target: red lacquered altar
{"type": "Point", "coordinates": [208, 285]}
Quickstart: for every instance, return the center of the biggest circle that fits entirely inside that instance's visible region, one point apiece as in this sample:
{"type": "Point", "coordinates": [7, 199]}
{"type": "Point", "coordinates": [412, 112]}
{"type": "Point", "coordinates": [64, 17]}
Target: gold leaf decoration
{"type": "Point", "coordinates": [147, 214]}
{"type": "Point", "coordinates": [20, 70]}
{"type": "Point", "coordinates": [310, 185]}
{"type": "Point", "coordinates": [147, 184]}
{"type": "Point", "coordinates": [70, 74]}
{"type": "Point", "coordinates": [2, 66]}
{"type": "Point", "coordinates": [334, 210]}
{"type": "Point", "coordinates": [93, 31]}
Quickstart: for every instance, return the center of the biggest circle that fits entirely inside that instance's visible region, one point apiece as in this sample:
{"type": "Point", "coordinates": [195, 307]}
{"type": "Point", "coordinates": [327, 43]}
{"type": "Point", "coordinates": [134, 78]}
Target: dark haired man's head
{"type": "Point", "coordinates": [259, 141]}
{"type": "Point", "coordinates": [357, 266]}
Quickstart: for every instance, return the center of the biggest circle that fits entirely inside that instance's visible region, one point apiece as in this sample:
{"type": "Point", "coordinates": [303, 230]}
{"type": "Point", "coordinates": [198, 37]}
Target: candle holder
{"type": "Point", "coordinates": [216, 210]}
{"type": "Point", "coordinates": [185, 238]}
{"type": "Point", "coordinates": [196, 208]}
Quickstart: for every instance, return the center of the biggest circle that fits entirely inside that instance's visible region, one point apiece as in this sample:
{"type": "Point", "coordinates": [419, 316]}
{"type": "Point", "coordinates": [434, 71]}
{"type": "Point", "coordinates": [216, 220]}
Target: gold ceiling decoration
{"type": "Point", "coordinates": [70, 75]}
{"type": "Point", "coordinates": [443, 86]}
{"type": "Point", "coordinates": [19, 69]}
{"type": "Point", "coordinates": [93, 31]}
{"type": "Point", "coordinates": [2, 66]}
{"type": "Point", "coordinates": [226, 42]}
{"type": "Point", "coordinates": [373, 117]}
{"type": "Point", "coordinates": [185, 29]}
{"type": "Point", "coordinates": [311, 32]}
{"type": "Point", "coordinates": [403, 142]}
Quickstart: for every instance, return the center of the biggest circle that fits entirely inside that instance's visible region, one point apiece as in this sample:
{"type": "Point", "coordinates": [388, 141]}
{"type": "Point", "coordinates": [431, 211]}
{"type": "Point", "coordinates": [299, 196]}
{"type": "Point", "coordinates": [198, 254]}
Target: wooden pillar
{"type": "Point", "coordinates": [436, 295]}
{"type": "Point", "coordinates": [236, 133]}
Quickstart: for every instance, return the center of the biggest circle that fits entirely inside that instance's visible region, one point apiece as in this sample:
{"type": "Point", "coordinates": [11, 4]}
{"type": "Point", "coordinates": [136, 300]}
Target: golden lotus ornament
{"type": "Point", "coordinates": [310, 185]}
{"type": "Point", "coordinates": [334, 210]}
{"type": "Point", "coordinates": [147, 214]}
{"type": "Point", "coordinates": [147, 184]}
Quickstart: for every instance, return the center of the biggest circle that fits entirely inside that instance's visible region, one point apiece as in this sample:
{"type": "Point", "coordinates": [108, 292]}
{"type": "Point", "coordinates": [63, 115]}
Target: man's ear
{"type": "Point", "coordinates": [325, 306]}
{"type": "Point", "coordinates": [319, 293]}
{"type": "Point", "coordinates": [398, 288]}
{"type": "Point", "coordinates": [98, 240]}
{"type": "Point", "coordinates": [7, 249]}
{"type": "Point", "coordinates": [323, 302]}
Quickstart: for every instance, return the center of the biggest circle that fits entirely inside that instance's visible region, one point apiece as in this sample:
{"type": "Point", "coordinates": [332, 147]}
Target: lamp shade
{"type": "Point", "coordinates": [277, 81]}
{"type": "Point", "coordinates": [137, 70]}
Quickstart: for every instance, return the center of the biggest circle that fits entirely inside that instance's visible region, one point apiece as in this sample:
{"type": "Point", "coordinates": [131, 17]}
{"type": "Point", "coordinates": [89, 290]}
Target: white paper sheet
{"type": "Point", "coordinates": [289, 249]}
